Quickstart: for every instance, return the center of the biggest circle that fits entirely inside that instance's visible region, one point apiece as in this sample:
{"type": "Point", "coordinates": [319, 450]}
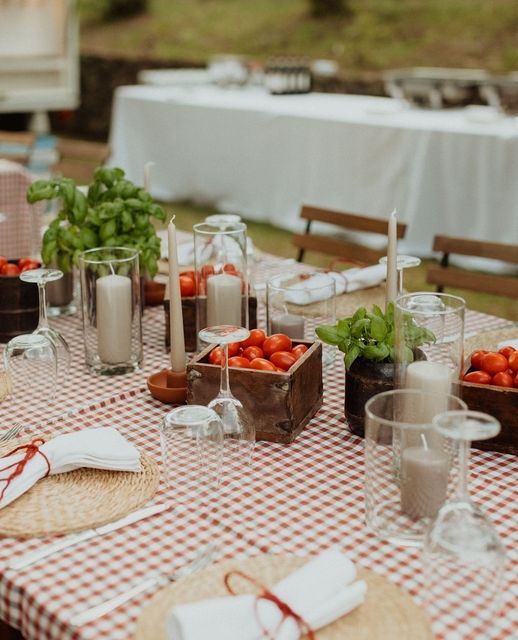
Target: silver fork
{"type": "Point", "coordinates": [159, 580]}
{"type": "Point", "coordinates": [15, 430]}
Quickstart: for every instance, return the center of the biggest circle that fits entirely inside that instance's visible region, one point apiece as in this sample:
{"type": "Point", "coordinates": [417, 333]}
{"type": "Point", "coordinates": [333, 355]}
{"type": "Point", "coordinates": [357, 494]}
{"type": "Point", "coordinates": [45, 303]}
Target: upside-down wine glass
{"type": "Point", "coordinates": [41, 277]}
{"type": "Point", "coordinates": [402, 262]}
{"type": "Point", "coordinates": [463, 556]}
{"type": "Point", "coordinates": [239, 430]}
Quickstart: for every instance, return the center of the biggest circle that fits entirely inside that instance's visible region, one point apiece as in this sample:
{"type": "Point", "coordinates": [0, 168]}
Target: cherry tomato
{"type": "Point", "coordinates": [2, 262]}
{"type": "Point", "coordinates": [283, 359]}
{"type": "Point", "coordinates": [515, 381]}
{"type": "Point", "coordinates": [207, 270]}
{"type": "Point", "coordinates": [190, 274]}
{"type": "Point", "coordinates": [493, 363]}
{"type": "Point", "coordinates": [502, 379]}
{"type": "Point", "coordinates": [234, 348]}
{"type": "Point", "coordinates": [216, 355]}
{"type": "Point", "coordinates": [513, 361]}
{"type": "Point", "coordinates": [262, 364]}
{"type": "Point", "coordinates": [253, 352]}
{"type": "Point", "coordinates": [276, 342]}
{"type": "Point", "coordinates": [255, 339]}
{"type": "Point", "coordinates": [23, 261]}
{"type": "Point", "coordinates": [476, 357]}
{"type": "Point", "coordinates": [480, 377]}
{"type": "Point", "coordinates": [238, 361]}
{"type": "Point", "coordinates": [187, 287]}
{"type": "Point", "coordinates": [229, 268]}
{"type": "Point", "coordinates": [28, 266]}
{"type": "Point", "coordinates": [506, 351]}
{"type": "Point", "coordinates": [10, 270]}
{"type": "Point", "coordinates": [299, 350]}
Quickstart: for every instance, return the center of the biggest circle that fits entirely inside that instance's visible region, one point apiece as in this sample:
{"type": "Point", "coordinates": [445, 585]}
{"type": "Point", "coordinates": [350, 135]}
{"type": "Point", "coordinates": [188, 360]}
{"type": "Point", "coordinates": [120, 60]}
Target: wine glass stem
{"type": "Point", "coordinates": [42, 321]}
{"type": "Point", "coordinates": [462, 483]}
{"type": "Point", "coordinates": [224, 387]}
{"type": "Point", "coordinates": [400, 281]}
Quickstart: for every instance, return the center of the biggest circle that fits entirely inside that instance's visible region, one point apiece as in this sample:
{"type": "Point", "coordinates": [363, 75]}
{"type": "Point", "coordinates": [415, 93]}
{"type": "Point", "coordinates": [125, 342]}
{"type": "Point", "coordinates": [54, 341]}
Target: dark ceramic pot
{"type": "Point", "coordinates": [363, 380]}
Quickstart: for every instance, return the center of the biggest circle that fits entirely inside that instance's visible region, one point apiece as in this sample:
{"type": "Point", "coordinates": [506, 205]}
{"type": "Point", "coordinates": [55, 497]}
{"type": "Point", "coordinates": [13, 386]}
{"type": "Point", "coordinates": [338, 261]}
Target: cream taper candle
{"type": "Point", "coordinates": [391, 284]}
{"type": "Point", "coordinates": [175, 303]}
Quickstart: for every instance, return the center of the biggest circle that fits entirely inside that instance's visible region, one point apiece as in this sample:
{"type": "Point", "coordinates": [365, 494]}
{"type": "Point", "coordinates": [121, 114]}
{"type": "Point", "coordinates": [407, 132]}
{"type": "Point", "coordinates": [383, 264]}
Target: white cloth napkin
{"type": "Point", "coordinates": [186, 252]}
{"type": "Point", "coordinates": [103, 448]}
{"type": "Point", "coordinates": [321, 591]}
{"type": "Point", "coordinates": [312, 289]}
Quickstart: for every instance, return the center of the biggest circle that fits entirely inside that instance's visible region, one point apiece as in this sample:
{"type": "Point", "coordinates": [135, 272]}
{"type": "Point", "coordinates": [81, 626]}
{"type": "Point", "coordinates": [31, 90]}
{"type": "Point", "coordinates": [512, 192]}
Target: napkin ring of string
{"type": "Point", "coordinates": [266, 594]}
{"type": "Point", "coordinates": [31, 450]}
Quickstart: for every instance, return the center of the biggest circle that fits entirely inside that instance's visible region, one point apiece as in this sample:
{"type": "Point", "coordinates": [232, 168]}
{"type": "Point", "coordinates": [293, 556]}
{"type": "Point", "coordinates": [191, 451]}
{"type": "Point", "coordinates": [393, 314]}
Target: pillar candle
{"type": "Point", "coordinates": [113, 317]}
{"type": "Point", "coordinates": [224, 300]}
{"type": "Point", "coordinates": [290, 324]}
{"type": "Point", "coordinates": [392, 278]}
{"type": "Point", "coordinates": [424, 481]}
{"type": "Point", "coordinates": [177, 352]}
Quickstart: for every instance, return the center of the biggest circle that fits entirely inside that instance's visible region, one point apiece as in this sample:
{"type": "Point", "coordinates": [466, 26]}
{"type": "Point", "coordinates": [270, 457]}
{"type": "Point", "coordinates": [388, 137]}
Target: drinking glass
{"type": "Point", "coordinates": [112, 314]}
{"type": "Point", "coordinates": [220, 262]}
{"type": "Point", "coordinates": [31, 366]}
{"type": "Point", "coordinates": [298, 303]}
{"type": "Point", "coordinates": [407, 465]}
{"type": "Point", "coordinates": [239, 429]}
{"type": "Point", "coordinates": [41, 277]}
{"type": "Point", "coordinates": [429, 342]}
{"type": "Point", "coordinates": [463, 556]}
{"type": "Point", "coordinates": [402, 262]}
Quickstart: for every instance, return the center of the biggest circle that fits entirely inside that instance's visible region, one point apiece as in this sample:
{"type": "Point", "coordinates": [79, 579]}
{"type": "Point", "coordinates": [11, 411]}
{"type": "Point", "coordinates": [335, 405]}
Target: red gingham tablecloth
{"type": "Point", "coordinates": [298, 499]}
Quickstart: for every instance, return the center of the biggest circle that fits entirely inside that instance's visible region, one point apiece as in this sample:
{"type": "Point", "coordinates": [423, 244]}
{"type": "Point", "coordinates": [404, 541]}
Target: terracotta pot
{"type": "Point", "coordinates": [362, 381]}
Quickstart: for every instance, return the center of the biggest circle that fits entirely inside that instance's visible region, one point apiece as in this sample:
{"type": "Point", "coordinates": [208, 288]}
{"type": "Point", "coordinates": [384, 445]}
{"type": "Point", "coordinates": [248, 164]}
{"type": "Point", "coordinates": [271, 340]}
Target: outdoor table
{"type": "Point", "coordinates": [299, 499]}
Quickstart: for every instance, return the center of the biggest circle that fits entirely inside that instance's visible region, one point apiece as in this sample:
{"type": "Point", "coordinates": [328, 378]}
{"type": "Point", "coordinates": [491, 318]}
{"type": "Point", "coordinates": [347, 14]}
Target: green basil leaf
{"type": "Point", "coordinates": [351, 356]}
{"type": "Point", "coordinates": [329, 334]}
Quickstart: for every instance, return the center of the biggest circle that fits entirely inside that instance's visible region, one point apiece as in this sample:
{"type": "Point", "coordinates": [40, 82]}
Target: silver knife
{"type": "Point", "coordinates": [25, 560]}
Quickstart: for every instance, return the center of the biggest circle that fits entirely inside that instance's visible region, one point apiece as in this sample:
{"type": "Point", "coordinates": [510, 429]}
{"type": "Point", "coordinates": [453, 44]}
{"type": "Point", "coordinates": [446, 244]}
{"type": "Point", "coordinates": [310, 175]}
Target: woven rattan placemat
{"type": "Point", "coordinates": [489, 339]}
{"type": "Point", "coordinates": [387, 613]}
{"type": "Point", "coordinates": [77, 500]}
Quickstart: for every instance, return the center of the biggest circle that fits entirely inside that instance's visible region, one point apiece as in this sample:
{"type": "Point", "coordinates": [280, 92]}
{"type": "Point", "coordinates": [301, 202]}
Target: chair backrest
{"type": "Point", "coordinates": [78, 159]}
{"type": "Point", "coordinates": [342, 248]}
{"type": "Point", "coordinates": [448, 276]}
{"type": "Point", "coordinates": [17, 146]}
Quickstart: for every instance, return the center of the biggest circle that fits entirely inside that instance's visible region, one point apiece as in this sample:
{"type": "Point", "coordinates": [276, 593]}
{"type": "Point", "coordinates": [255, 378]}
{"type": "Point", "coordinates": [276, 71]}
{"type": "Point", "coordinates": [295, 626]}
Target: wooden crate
{"type": "Point", "coordinates": [189, 320]}
{"type": "Point", "coordinates": [19, 307]}
{"type": "Point", "coordinates": [500, 402]}
{"type": "Point", "coordinates": [281, 404]}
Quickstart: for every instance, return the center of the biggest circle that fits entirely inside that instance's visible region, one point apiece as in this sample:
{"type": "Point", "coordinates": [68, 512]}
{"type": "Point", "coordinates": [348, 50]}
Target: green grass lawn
{"type": "Point", "coordinates": [376, 35]}
{"type": "Point", "coordinates": [278, 241]}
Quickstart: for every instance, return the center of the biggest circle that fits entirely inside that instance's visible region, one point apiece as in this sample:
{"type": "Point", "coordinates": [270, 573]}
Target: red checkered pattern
{"type": "Point", "coordinates": [298, 499]}
{"type": "Point", "coordinates": [20, 231]}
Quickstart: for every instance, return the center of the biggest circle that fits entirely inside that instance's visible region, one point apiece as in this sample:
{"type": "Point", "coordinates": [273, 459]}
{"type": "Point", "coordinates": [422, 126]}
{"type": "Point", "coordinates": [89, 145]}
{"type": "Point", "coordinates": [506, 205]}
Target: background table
{"type": "Point", "coordinates": [262, 156]}
{"type": "Point", "coordinates": [300, 499]}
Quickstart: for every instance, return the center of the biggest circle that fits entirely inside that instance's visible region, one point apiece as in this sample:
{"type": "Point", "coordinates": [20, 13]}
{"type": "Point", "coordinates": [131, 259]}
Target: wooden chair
{"type": "Point", "coordinates": [448, 276]}
{"type": "Point", "coordinates": [78, 159]}
{"type": "Point", "coordinates": [17, 146]}
{"type": "Point", "coordinates": [342, 248]}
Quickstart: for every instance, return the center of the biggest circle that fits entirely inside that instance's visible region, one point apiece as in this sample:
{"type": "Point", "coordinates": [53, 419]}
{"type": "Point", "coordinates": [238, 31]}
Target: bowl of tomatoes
{"type": "Point", "coordinates": [490, 384]}
{"type": "Point", "coordinates": [278, 380]}
{"type": "Point", "coordinates": [19, 308]}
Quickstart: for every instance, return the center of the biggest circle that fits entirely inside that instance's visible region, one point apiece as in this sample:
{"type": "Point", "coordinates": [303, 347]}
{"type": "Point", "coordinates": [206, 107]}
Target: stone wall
{"type": "Point", "coordinates": [101, 76]}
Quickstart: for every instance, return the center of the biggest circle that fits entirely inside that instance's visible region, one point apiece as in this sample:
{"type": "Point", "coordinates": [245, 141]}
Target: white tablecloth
{"type": "Point", "coordinates": [262, 156]}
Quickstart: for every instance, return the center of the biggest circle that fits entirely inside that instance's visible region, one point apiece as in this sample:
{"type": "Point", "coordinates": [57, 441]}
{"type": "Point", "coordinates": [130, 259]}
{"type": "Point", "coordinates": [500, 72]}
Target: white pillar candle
{"type": "Point", "coordinates": [424, 481]}
{"type": "Point", "coordinates": [391, 284]}
{"type": "Point", "coordinates": [224, 300]}
{"type": "Point", "coordinates": [177, 342]}
{"type": "Point", "coordinates": [290, 324]}
{"type": "Point", "coordinates": [113, 317]}
{"type": "Point", "coordinates": [433, 377]}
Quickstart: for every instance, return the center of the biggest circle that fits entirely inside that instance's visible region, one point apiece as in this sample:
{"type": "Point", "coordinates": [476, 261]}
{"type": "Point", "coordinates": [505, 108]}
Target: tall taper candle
{"type": "Point", "coordinates": [175, 303]}
{"type": "Point", "coordinates": [391, 284]}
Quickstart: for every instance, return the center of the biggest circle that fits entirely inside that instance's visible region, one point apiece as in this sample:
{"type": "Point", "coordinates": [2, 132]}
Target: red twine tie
{"type": "Point", "coordinates": [284, 608]}
{"type": "Point", "coordinates": [31, 450]}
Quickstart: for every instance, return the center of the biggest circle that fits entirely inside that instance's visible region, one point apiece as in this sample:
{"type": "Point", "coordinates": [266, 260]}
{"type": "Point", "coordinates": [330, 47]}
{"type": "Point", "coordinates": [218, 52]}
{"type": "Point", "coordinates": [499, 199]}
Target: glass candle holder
{"type": "Point", "coordinates": [429, 342]}
{"type": "Point", "coordinates": [220, 262]}
{"type": "Point", "coordinates": [112, 313]}
{"type": "Point", "coordinates": [408, 476]}
{"type": "Point", "coordinates": [298, 303]}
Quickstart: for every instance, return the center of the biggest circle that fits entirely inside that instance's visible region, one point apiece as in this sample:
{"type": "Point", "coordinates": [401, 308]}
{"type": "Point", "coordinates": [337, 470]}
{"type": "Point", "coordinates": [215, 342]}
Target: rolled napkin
{"type": "Point", "coordinates": [103, 448]}
{"type": "Point", "coordinates": [319, 593]}
{"type": "Point", "coordinates": [186, 252]}
{"type": "Point", "coordinates": [312, 289]}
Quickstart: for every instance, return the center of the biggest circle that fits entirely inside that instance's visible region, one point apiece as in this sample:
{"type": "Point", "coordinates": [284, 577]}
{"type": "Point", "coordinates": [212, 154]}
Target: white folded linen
{"type": "Point", "coordinates": [103, 448]}
{"type": "Point", "coordinates": [186, 252]}
{"type": "Point", "coordinates": [312, 289]}
{"type": "Point", "coordinates": [320, 592]}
